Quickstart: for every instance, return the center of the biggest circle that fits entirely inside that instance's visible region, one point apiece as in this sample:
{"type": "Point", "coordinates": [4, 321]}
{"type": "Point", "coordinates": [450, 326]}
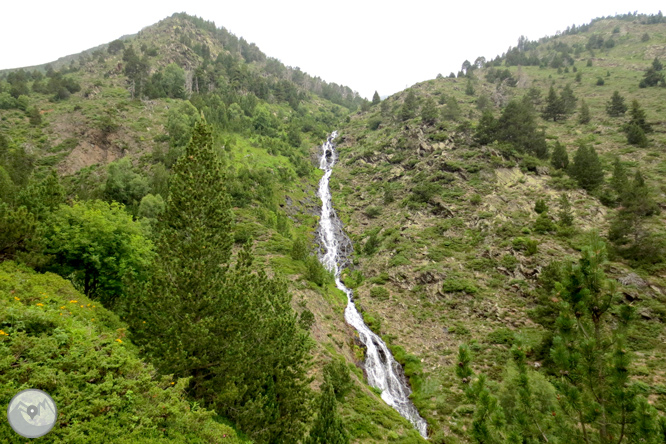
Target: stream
{"type": "Point", "coordinates": [382, 370]}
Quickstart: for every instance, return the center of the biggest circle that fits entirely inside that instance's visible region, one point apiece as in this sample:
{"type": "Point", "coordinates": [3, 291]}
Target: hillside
{"type": "Point", "coordinates": [80, 119]}
{"type": "Point", "coordinates": [55, 338]}
{"type": "Point", "coordinates": [448, 248]}
{"type": "Point", "coordinates": [170, 177]}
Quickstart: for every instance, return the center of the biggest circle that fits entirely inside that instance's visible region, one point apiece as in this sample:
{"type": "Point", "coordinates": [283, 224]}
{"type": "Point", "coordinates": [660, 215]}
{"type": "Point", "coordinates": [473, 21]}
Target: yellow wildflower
{"type": "Point", "coordinates": [39, 304]}
{"type": "Point", "coordinates": [73, 301]}
{"type": "Point", "coordinates": [16, 298]}
{"type": "Point", "coordinates": [82, 306]}
{"type": "Point", "coordinates": [119, 341]}
{"type": "Point", "coordinates": [172, 383]}
{"type": "Point", "coordinates": [2, 333]}
{"type": "Point", "coordinates": [62, 308]}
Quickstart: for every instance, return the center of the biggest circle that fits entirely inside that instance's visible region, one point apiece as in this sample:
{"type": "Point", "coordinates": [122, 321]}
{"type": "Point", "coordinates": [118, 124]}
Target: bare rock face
{"type": "Point", "coordinates": [632, 279]}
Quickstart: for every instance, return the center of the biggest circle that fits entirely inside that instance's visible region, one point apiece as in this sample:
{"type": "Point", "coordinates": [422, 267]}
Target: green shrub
{"type": "Point", "coordinates": [306, 319]}
{"type": "Point", "coordinates": [381, 279]}
{"type": "Point", "coordinates": [103, 391]}
{"type": "Point", "coordinates": [544, 223]}
{"type": "Point", "coordinates": [372, 212]}
{"type": "Point", "coordinates": [540, 206]}
{"type": "Point", "coordinates": [476, 199]}
{"type": "Point", "coordinates": [315, 271]}
{"type": "Point", "coordinates": [380, 293]}
{"type": "Point", "coordinates": [501, 336]}
{"type": "Point", "coordinates": [456, 284]}
{"type": "Point", "coordinates": [509, 261]}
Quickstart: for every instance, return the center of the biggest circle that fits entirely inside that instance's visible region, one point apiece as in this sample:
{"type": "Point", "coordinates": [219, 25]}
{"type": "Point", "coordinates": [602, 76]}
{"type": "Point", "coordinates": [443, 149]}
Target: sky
{"type": "Point", "coordinates": [367, 45]}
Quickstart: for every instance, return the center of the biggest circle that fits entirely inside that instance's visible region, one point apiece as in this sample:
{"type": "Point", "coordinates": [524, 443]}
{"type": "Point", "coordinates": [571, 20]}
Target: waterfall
{"type": "Point", "coordinates": [383, 371]}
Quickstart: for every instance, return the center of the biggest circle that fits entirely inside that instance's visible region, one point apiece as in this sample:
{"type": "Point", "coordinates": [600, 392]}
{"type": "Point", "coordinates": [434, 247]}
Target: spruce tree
{"type": "Point", "coordinates": [560, 158]}
{"type": "Point", "coordinates": [586, 168]}
{"type": "Point", "coordinates": [327, 427]}
{"type": "Point", "coordinates": [375, 98]}
{"type": "Point", "coordinates": [584, 113]}
{"type": "Point", "coordinates": [616, 107]}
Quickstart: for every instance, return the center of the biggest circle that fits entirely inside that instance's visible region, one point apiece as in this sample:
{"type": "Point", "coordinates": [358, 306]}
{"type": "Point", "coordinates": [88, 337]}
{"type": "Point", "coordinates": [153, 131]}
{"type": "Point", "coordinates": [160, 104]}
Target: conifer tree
{"type": "Point", "coordinates": [327, 427]}
{"type": "Point", "coordinates": [517, 126]}
{"type": "Point", "coordinates": [636, 135]}
{"type": "Point", "coordinates": [565, 214]}
{"type": "Point", "coordinates": [638, 117]}
{"type": "Point", "coordinates": [469, 89]}
{"type": "Point", "coordinates": [584, 113]}
{"type": "Point", "coordinates": [568, 99]}
{"type": "Point", "coordinates": [616, 107]}
{"type": "Point", "coordinates": [486, 130]}
{"type": "Point", "coordinates": [409, 106]}
{"type": "Point", "coordinates": [586, 168]}
{"type": "Point", "coordinates": [376, 99]}
{"type": "Point", "coordinates": [540, 206]}
{"type": "Point", "coordinates": [429, 112]}
{"type": "Point", "coordinates": [231, 329]}
{"type": "Point", "coordinates": [560, 157]}
{"type": "Point", "coordinates": [619, 181]}
{"type": "Point", "coordinates": [555, 108]}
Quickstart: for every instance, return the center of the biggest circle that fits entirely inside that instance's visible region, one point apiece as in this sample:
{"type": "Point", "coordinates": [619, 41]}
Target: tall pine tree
{"type": "Point", "coordinates": [230, 329]}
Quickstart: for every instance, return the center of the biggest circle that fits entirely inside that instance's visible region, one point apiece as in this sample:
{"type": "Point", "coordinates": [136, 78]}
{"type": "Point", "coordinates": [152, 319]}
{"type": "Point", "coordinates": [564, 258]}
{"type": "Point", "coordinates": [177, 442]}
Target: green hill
{"type": "Point", "coordinates": [443, 221]}
{"type": "Point", "coordinates": [55, 338]}
{"type": "Point", "coordinates": [78, 117]}
{"type": "Point", "coordinates": [469, 229]}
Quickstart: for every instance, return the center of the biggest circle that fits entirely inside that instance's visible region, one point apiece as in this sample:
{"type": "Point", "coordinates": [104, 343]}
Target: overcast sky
{"type": "Point", "coordinates": [367, 45]}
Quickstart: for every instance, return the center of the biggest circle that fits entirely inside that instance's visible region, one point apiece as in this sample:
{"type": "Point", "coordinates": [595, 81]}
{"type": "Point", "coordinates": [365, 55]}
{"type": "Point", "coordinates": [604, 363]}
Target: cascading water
{"type": "Point", "coordinates": [382, 369]}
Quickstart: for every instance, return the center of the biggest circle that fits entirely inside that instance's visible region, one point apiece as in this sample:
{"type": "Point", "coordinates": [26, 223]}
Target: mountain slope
{"type": "Point", "coordinates": [55, 338]}
{"type": "Point", "coordinates": [81, 120]}
{"type": "Point", "coordinates": [448, 250]}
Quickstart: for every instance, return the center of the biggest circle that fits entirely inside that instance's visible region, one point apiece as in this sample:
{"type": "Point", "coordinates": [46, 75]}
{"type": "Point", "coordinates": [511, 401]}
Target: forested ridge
{"type": "Point", "coordinates": [159, 274]}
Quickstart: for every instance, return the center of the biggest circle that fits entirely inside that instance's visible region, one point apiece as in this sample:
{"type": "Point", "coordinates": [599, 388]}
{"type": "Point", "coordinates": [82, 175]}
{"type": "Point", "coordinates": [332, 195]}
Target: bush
{"type": "Point", "coordinates": [306, 320]}
{"type": "Point", "coordinates": [544, 224]}
{"type": "Point", "coordinates": [299, 249]}
{"type": "Point", "coordinates": [380, 293]}
{"type": "Point", "coordinates": [540, 206]}
{"type": "Point", "coordinates": [502, 336]}
{"type": "Point", "coordinates": [121, 399]}
{"type": "Point", "coordinates": [509, 261]}
{"type": "Point", "coordinates": [315, 271]}
{"type": "Point", "coordinates": [372, 212]}
{"type": "Point", "coordinates": [457, 284]}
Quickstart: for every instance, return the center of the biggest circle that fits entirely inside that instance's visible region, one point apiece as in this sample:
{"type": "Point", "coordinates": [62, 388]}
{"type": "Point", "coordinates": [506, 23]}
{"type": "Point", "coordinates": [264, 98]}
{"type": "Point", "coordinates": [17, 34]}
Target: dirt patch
{"type": "Point", "coordinates": [86, 154]}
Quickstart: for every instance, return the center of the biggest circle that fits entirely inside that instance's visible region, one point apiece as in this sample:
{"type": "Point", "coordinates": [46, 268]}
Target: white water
{"type": "Point", "coordinates": [382, 369]}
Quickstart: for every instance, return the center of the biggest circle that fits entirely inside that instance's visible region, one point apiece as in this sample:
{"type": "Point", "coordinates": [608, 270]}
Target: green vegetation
{"type": "Point", "coordinates": [169, 178]}
{"type": "Point", "coordinates": [486, 210]}
{"type": "Point", "coordinates": [102, 387]}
